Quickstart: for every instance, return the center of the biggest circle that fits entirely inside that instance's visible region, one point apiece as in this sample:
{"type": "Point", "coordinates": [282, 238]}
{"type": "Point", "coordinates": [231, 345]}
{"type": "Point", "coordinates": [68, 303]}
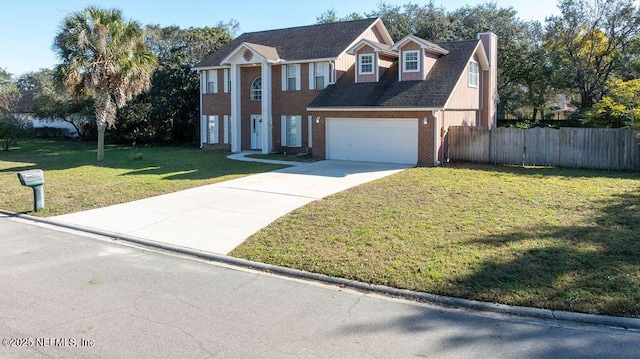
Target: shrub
{"type": "Point", "coordinates": [11, 129]}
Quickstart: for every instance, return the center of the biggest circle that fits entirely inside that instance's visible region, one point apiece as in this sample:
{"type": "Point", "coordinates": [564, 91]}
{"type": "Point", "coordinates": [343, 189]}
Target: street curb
{"type": "Point", "coordinates": [593, 319]}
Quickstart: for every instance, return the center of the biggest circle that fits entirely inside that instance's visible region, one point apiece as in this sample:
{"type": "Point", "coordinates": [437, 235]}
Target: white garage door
{"type": "Point", "coordinates": [372, 140]}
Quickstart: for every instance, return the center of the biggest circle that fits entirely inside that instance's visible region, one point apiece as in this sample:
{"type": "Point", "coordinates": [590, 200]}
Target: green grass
{"type": "Point", "coordinates": [74, 181]}
{"type": "Point", "coordinates": [560, 239]}
{"type": "Point", "coordinates": [285, 157]}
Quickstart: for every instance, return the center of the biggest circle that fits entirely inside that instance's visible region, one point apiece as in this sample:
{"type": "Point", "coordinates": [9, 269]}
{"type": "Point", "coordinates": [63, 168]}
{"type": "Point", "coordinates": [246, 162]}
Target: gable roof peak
{"type": "Point", "coordinates": [326, 24]}
{"type": "Point", "coordinates": [377, 47]}
{"type": "Point", "coordinates": [319, 41]}
{"type": "Point", "coordinates": [424, 44]}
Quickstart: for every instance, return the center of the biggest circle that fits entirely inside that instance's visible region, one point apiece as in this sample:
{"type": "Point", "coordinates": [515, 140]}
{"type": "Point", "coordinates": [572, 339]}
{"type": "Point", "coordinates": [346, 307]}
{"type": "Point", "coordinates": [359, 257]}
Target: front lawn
{"type": "Point", "coordinates": [559, 239]}
{"type": "Point", "coordinates": [74, 181]}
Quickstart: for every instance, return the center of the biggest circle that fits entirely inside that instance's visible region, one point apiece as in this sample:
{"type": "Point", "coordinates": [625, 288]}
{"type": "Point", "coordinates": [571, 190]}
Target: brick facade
{"type": "Point", "coordinates": [291, 103]}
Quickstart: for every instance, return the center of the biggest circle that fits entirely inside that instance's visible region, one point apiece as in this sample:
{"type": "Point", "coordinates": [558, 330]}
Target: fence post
{"type": "Point", "coordinates": [490, 145]}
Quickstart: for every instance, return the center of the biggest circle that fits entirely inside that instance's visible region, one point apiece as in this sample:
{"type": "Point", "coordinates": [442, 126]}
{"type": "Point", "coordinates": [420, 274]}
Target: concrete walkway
{"type": "Point", "coordinates": [216, 218]}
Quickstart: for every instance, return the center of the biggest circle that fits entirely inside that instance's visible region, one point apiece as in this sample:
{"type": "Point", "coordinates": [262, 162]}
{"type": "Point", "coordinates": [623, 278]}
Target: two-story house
{"type": "Point", "coordinates": [346, 91]}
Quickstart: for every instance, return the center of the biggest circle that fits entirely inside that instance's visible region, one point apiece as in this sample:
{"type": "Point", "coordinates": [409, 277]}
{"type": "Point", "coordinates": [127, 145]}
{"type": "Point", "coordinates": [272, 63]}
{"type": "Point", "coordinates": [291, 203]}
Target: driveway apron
{"type": "Point", "coordinates": [217, 218]}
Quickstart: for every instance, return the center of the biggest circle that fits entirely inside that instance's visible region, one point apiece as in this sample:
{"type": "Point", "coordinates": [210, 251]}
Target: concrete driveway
{"type": "Point", "coordinates": [216, 218]}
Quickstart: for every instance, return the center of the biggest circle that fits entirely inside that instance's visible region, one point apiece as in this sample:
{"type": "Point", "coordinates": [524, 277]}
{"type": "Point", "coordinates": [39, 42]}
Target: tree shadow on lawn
{"type": "Point", "coordinates": [170, 163]}
{"type": "Point", "coordinates": [545, 171]}
{"type": "Point", "coordinates": [49, 155]}
{"type": "Point", "coordinates": [592, 269]}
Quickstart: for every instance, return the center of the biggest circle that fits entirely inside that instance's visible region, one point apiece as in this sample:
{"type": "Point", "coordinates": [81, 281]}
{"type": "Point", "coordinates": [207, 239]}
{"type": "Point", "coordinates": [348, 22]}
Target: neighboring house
{"type": "Point", "coordinates": [25, 109]}
{"type": "Point", "coordinates": [346, 91]}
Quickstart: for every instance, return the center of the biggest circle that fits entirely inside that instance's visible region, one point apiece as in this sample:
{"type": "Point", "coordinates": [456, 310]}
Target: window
{"type": "Point", "coordinates": [473, 74]}
{"type": "Point", "coordinates": [366, 64]}
{"type": "Point", "coordinates": [319, 75]}
{"type": "Point", "coordinates": [256, 89]}
{"type": "Point", "coordinates": [320, 79]}
{"type": "Point", "coordinates": [411, 61]}
{"type": "Point", "coordinates": [291, 77]}
{"type": "Point", "coordinates": [212, 79]}
{"type": "Point", "coordinates": [291, 131]}
{"type": "Point", "coordinates": [212, 129]}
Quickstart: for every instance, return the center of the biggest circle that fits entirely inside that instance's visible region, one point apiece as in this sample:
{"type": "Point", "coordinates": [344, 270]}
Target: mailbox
{"type": "Point", "coordinates": [35, 180]}
{"type": "Point", "coordinates": [31, 178]}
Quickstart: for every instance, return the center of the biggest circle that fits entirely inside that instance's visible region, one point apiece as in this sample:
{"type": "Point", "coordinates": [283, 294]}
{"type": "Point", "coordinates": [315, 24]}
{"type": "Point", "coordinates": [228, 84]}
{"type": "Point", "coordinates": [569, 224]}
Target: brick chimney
{"type": "Point", "coordinates": [490, 79]}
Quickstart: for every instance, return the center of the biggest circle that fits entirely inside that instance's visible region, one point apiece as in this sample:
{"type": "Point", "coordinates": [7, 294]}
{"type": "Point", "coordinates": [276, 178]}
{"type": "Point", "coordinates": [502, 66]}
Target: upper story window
{"type": "Point", "coordinates": [256, 89]}
{"type": "Point", "coordinates": [411, 61]}
{"type": "Point", "coordinates": [320, 71]}
{"type": "Point", "coordinates": [473, 74]}
{"type": "Point", "coordinates": [290, 77]}
{"type": "Point", "coordinates": [365, 65]}
{"type": "Point", "coordinates": [212, 81]}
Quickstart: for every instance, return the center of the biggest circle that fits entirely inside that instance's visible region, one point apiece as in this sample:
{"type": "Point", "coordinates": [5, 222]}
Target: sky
{"type": "Point", "coordinates": [27, 28]}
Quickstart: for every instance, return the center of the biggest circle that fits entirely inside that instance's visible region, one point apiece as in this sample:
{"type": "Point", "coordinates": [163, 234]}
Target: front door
{"type": "Point", "coordinates": [256, 132]}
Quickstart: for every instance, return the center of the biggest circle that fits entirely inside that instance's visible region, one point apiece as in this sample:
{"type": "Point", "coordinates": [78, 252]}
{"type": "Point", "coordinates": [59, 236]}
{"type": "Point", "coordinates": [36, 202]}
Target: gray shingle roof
{"type": "Point", "coordinates": [298, 43]}
{"type": "Point", "coordinates": [389, 92]}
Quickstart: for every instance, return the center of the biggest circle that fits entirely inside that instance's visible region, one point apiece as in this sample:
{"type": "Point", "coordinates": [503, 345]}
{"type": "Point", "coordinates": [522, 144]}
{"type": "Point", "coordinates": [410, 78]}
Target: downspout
{"type": "Point", "coordinates": [435, 138]}
{"type": "Point", "coordinates": [200, 119]}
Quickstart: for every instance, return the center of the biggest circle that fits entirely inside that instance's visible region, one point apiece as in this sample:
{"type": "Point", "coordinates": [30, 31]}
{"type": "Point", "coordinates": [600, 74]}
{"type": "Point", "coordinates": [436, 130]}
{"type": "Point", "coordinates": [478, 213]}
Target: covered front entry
{"type": "Point", "coordinates": [372, 140]}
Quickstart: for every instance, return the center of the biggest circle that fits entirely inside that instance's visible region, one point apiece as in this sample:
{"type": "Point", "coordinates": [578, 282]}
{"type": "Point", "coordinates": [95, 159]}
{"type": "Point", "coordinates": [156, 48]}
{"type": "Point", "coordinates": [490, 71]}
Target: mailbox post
{"type": "Point", "coordinates": [35, 180]}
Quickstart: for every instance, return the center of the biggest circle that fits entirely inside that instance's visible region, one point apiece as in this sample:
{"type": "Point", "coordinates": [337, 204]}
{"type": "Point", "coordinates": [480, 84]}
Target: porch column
{"type": "Point", "coordinates": [236, 138]}
{"type": "Point", "coordinates": [267, 126]}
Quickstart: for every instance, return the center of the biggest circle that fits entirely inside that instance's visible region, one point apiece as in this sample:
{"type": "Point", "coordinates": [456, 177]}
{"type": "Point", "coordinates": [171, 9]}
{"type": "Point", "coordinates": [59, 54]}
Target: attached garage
{"type": "Point", "coordinates": [372, 140]}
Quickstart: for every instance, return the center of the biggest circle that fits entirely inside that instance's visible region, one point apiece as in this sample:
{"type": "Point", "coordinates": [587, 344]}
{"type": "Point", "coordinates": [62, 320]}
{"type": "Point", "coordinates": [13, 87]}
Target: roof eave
{"type": "Point", "coordinates": [371, 108]}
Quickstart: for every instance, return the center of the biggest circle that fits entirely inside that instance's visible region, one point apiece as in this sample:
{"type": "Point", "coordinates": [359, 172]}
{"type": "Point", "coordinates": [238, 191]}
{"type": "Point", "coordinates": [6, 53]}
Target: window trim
{"type": "Point", "coordinates": [360, 64]}
{"type": "Point", "coordinates": [322, 67]}
{"type": "Point", "coordinates": [285, 77]}
{"type": "Point", "coordinates": [473, 78]}
{"type": "Point", "coordinates": [255, 94]}
{"type": "Point", "coordinates": [416, 61]}
{"type": "Point", "coordinates": [227, 81]}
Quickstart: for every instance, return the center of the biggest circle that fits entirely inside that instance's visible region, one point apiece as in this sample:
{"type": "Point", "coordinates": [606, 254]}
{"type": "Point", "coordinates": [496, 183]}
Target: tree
{"type": "Point", "coordinates": [629, 64]}
{"type": "Point", "coordinates": [169, 111]}
{"type": "Point", "coordinates": [9, 94]}
{"type": "Point", "coordinates": [104, 55]}
{"type": "Point", "coordinates": [588, 41]}
{"type": "Point", "coordinates": [620, 108]}
{"type": "Point", "coordinates": [43, 95]}
{"type": "Point", "coordinates": [534, 71]}
{"type": "Point", "coordinates": [330, 16]}
{"type": "Point", "coordinates": [11, 129]}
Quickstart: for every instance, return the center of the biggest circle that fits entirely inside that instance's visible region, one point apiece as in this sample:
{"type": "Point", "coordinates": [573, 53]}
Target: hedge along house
{"type": "Point", "coordinates": [346, 91]}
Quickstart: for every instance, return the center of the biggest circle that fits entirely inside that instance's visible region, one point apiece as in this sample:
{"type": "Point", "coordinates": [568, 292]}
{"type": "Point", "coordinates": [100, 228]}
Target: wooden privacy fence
{"type": "Point", "coordinates": [597, 148]}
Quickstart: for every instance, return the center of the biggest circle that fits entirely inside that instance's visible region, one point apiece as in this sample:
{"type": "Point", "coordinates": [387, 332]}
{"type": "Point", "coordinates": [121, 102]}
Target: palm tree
{"type": "Point", "coordinates": [104, 55]}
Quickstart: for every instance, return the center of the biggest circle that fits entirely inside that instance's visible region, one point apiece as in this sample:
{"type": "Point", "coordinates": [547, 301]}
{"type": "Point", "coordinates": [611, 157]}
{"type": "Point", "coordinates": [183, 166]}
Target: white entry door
{"type": "Point", "coordinates": [256, 132]}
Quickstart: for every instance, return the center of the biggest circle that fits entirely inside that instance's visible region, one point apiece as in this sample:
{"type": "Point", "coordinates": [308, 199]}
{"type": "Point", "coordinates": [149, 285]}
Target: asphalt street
{"type": "Point", "coordinates": [69, 295]}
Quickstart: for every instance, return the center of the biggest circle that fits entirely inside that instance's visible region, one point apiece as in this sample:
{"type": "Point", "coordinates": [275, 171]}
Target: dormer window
{"type": "Point", "coordinates": [366, 64]}
{"type": "Point", "coordinates": [411, 61]}
{"type": "Point", "coordinates": [473, 74]}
